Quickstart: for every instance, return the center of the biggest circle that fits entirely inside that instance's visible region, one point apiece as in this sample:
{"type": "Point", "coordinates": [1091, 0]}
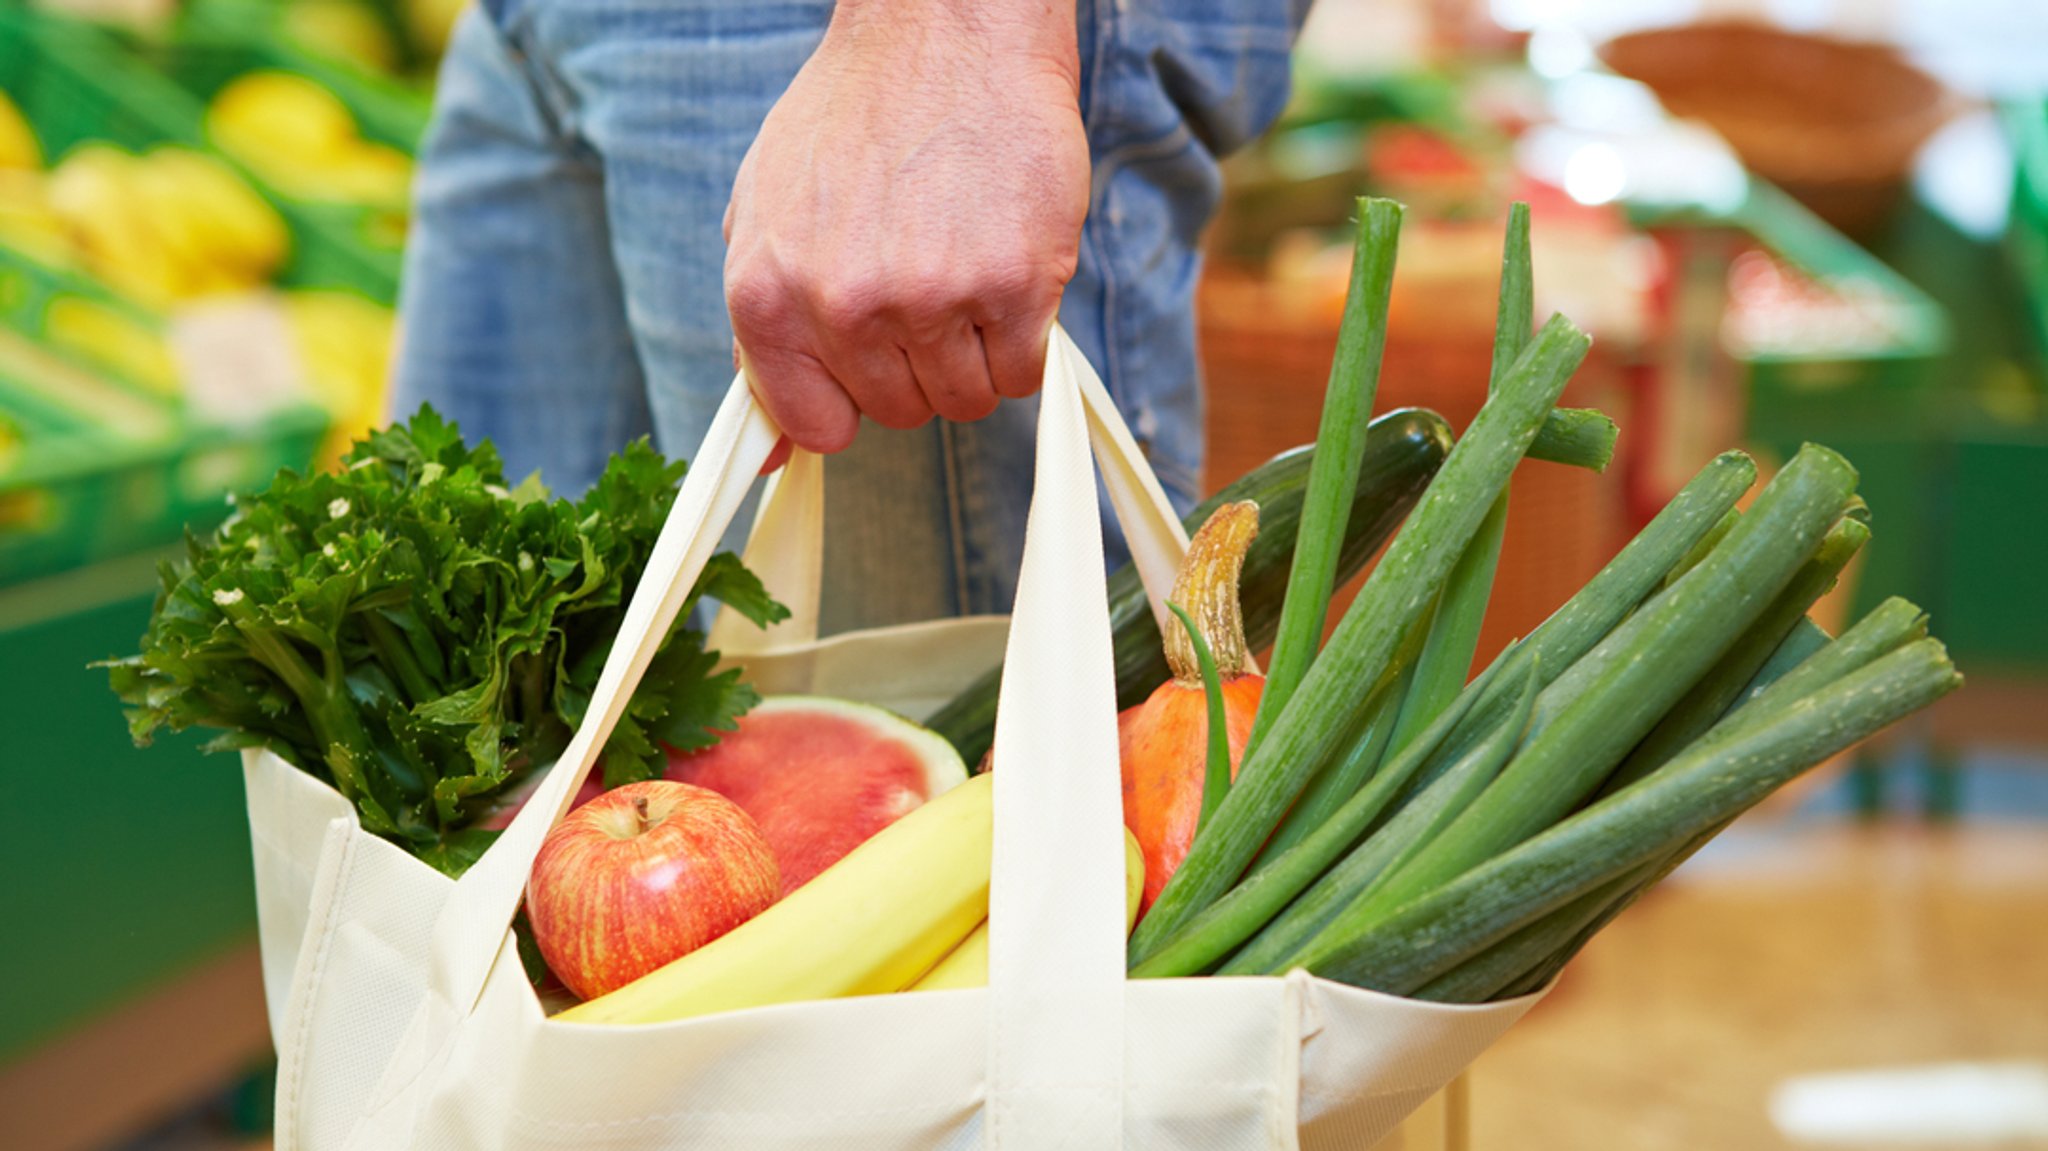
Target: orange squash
{"type": "Point", "coordinates": [1164, 741]}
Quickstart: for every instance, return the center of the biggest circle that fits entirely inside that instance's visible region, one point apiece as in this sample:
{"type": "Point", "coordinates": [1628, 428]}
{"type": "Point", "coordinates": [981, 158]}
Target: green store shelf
{"type": "Point", "coordinates": [136, 860]}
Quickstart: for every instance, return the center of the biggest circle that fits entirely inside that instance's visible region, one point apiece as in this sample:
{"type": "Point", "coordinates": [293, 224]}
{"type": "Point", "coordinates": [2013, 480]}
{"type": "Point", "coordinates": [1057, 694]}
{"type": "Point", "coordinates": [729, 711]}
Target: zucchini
{"type": "Point", "coordinates": [1403, 449]}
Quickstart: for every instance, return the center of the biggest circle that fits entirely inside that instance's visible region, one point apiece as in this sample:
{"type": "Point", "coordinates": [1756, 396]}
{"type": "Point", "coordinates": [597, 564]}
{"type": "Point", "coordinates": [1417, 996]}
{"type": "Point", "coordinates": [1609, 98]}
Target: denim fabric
{"type": "Point", "coordinates": [564, 292]}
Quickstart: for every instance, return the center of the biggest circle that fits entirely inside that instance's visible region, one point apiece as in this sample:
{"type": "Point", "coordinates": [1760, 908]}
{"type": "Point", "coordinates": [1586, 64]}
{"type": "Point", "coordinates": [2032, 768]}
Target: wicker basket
{"type": "Point", "coordinates": [1835, 123]}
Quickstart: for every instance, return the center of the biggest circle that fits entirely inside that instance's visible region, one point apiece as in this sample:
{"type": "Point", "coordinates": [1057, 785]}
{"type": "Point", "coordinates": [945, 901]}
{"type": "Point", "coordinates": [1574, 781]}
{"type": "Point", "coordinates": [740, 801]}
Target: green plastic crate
{"type": "Point", "coordinates": [75, 83]}
{"type": "Point", "coordinates": [102, 469]}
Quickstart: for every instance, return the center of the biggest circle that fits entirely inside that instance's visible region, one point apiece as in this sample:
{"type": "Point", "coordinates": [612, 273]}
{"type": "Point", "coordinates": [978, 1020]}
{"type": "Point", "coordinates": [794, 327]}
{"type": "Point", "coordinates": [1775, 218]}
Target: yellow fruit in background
{"type": "Point", "coordinates": [301, 139]}
{"type": "Point", "coordinates": [18, 147]}
{"type": "Point", "coordinates": [346, 29]}
{"type": "Point", "coordinates": [114, 339]}
{"type": "Point", "coordinates": [431, 22]}
{"type": "Point", "coordinates": [234, 226]}
{"type": "Point", "coordinates": [284, 126]}
{"type": "Point", "coordinates": [369, 174]}
{"type": "Point", "coordinates": [344, 343]}
{"type": "Point", "coordinates": [26, 222]}
{"type": "Point", "coordinates": [168, 226]}
{"type": "Point", "coordinates": [96, 191]}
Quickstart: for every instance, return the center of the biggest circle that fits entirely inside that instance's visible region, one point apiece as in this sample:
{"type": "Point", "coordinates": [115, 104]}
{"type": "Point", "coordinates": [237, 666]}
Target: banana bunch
{"type": "Point", "coordinates": [871, 923]}
{"type": "Point", "coordinates": [301, 138]}
{"type": "Point", "coordinates": [344, 343]}
{"type": "Point", "coordinates": [165, 226]}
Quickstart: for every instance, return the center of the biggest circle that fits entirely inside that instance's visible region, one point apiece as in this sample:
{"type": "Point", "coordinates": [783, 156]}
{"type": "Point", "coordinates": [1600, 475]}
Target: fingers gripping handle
{"type": "Point", "coordinates": [472, 924]}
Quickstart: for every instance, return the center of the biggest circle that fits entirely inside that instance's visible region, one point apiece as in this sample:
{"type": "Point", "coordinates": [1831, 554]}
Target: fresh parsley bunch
{"type": "Point", "coordinates": [419, 636]}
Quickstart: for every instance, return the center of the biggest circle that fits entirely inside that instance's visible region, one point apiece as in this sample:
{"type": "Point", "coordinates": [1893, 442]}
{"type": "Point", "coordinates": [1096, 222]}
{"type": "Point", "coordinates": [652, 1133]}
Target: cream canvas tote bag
{"type": "Point", "coordinates": [403, 1019]}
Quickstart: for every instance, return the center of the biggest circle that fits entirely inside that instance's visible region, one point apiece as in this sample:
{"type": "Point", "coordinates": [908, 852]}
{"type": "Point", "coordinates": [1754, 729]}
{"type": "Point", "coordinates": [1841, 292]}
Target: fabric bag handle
{"type": "Point", "coordinates": [1056, 965]}
{"type": "Point", "coordinates": [786, 545]}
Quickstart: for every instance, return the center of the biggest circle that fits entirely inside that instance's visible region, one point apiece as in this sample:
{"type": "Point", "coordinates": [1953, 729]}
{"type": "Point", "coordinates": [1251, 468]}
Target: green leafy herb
{"type": "Point", "coordinates": [419, 635]}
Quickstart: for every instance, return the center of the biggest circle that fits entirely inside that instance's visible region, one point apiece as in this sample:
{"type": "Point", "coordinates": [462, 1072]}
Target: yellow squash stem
{"type": "Point", "coordinates": [1165, 742]}
{"type": "Point", "coordinates": [1207, 588]}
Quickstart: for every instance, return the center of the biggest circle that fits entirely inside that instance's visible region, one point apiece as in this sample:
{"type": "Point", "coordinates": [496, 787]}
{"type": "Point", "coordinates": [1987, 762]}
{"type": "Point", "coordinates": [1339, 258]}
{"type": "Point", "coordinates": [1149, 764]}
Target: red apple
{"type": "Point", "coordinates": [643, 874]}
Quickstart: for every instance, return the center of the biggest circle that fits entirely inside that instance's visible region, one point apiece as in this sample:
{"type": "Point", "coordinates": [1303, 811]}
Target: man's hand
{"type": "Point", "coordinates": [902, 228]}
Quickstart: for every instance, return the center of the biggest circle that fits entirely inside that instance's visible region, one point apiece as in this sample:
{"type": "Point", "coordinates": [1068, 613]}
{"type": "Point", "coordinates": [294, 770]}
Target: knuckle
{"type": "Point", "coordinates": [759, 300]}
{"type": "Point", "coordinates": [846, 303]}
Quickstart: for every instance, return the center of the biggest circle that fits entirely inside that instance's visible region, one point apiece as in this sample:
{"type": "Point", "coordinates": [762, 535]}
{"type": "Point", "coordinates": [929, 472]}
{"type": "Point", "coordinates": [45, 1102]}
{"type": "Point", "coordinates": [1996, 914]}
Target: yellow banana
{"type": "Point", "coordinates": [869, 924]}
{"type": "Point", "coordinates": [967, 964]}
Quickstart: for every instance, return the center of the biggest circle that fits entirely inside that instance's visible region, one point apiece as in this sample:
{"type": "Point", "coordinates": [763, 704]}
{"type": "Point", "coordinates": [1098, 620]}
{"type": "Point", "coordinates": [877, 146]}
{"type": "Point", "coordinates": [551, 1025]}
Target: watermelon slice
{"type": "Point", "coordinates": [821, 775]}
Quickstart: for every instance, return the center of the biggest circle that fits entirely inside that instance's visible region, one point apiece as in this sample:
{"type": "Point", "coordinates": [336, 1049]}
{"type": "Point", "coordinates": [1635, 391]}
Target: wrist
{"type": "Point", "coordinates": [1025, 30]}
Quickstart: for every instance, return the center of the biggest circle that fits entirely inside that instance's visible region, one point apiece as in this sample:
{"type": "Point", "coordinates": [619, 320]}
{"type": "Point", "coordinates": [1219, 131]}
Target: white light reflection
{"type": "Point", "coordinates": [1944, 1105]}
{"type": "Point", "coordinates": [1558, 50]}
{"type": "Point", "coordinates": [1595, 174]}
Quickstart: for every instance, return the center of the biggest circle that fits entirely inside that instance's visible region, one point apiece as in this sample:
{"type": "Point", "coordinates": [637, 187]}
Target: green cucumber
{"type": "Point", "coordinates": [1402, 452]}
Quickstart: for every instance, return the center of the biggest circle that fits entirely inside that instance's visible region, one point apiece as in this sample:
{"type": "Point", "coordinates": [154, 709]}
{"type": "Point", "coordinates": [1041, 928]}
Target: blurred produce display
{"type": "Point", "coordinates": [401, 39]}
{"type": "Point", "coordinates": [198, 254]}
{"type": "Point", "coordinates": [303, 140]}
{"type": "Point", "coordinates": [162, 226]}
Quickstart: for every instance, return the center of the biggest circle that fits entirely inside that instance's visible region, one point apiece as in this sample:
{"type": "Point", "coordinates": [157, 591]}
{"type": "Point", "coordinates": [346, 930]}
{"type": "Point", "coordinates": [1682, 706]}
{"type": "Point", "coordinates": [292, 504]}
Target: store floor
{"type": "Point", "coordinates": [1793, 950]}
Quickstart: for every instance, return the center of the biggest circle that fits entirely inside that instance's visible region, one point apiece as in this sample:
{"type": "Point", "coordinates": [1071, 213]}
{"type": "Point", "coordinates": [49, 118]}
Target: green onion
{"type": "Point", "coordinates": [1446, 659]}
{"type": "Point", "coordinates": [1724, 683]}
{"type": "Point", "coordinates": [1633, 574]}
{"type": "Point", "coordinates": [1590, 717]}
{"type": "Point", "coordinates": [1361, 755]}
{"type": "Point", "coordinates": [1216, 771]}
{"type": "Point", "coordinates": [1481, 978]}
{"type": "Point", "coordinates": [1340, 444]}
{"type": "Point", "coordinates": [1356, 661]}
{"type": "Point", "coordinates": [1711, 782]}
{"type": "Point", "coordinates": [1699, 551]}
{"type": "Point", "coordinates": [1891, 625]}
{"type": "Point", "coordinates": [1387, 848]}
{"type": "Point", "coordinates": [1576, 437]}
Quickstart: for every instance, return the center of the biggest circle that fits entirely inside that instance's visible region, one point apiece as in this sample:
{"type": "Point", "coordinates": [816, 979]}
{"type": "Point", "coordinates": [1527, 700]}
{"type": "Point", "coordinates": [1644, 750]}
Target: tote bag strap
{"type": "Point", "coordinates": [786, 545]}
{"type": "Point", "coordinates": [1056, 938]}
{"type": "Point", "coordinates": [786, 549]}
{"type": "Point", "coordinates": [1056, 964]}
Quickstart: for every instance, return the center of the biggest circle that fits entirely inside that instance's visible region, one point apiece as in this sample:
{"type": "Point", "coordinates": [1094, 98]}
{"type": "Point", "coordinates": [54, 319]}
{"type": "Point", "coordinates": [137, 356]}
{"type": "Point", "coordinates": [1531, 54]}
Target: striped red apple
{"type": "Point", "coordinates": [641, 875]}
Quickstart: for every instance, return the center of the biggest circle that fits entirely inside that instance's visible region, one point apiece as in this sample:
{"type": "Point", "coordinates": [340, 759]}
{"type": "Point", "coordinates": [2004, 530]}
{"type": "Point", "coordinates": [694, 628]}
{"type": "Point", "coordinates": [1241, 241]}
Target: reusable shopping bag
{"type": "Point", "coordinates": [403, 1018]}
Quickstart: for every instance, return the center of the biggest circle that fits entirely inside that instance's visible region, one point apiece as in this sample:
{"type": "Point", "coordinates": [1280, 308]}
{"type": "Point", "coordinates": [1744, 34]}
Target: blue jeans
{"type": "Point", "coordinates": [563, 289]}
